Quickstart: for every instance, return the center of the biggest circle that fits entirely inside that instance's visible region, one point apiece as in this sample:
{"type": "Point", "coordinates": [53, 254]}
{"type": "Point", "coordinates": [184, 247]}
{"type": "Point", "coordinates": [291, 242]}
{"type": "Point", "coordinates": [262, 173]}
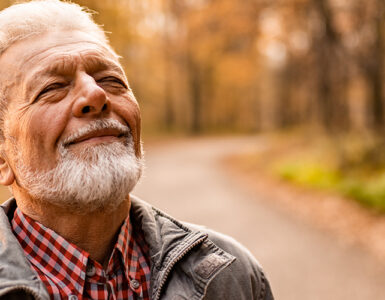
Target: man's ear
{"type": "Point", "coordinates": [7, 177]}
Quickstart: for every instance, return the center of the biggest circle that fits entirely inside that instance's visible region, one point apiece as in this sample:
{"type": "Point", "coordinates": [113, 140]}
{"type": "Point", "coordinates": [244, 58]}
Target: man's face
{"type": "Point", "coordinates": [58, 85]}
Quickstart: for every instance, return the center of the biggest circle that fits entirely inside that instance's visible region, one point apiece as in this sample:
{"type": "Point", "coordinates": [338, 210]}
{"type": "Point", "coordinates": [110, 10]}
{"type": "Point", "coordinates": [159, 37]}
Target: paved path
{"type": "Point", "coordinates": [186, 179]}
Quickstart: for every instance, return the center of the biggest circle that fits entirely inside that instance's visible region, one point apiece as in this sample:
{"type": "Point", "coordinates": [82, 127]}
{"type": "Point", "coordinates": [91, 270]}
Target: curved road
{"type": "Point", "coordinates": [185, 178]}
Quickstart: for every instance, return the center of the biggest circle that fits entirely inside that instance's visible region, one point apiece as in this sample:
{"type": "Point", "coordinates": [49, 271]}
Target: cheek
{"type": "Point", "coordinates": [39, 131]}
{"type": "Point", "coordinates": [130, 112]}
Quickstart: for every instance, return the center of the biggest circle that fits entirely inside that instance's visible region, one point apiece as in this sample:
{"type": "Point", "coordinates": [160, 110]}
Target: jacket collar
{"type": "Point", "coordinates": [163, 234]}
{"type": "Point", "coordinates": [168, 240]}
{"type": "Point", "coordinates": [182, 249]}
{"type": "Point", "coordinates": [16, 273]}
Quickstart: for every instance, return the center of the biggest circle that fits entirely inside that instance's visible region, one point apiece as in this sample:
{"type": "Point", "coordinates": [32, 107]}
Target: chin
{"type": "Point", "coordinates": [100, 179]}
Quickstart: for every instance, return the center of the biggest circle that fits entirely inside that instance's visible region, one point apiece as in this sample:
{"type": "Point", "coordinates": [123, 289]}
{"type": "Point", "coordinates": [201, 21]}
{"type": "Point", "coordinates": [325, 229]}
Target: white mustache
{"type": "Point", "coordinates": [96, 125]}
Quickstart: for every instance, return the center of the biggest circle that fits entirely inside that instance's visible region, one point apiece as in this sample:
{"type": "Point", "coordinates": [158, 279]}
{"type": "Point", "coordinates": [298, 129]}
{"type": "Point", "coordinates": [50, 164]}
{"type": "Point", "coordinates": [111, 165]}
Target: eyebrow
{"type": "Point", "coordinates": [65, 65]}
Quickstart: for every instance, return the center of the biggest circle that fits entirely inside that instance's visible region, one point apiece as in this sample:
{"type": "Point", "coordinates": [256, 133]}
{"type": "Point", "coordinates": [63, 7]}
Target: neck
{"type": "Point", "coordinates": [94, 232]}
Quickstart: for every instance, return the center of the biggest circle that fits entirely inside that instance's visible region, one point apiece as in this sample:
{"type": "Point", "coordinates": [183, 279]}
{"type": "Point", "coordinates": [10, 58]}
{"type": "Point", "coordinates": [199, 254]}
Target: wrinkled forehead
{"type": "Point", "coordinates": [66, 59]}
{"type": "Point", "coordinates": [57, 45]}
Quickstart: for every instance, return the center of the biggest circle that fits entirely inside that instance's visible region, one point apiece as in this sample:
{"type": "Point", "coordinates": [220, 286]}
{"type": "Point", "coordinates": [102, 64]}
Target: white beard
{"type": "Point", "coordinates": [98, 178]}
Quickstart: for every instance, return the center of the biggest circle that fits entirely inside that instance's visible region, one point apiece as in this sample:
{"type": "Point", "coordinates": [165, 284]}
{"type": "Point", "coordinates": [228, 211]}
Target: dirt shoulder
{"type": "Point", "coordinates": [349, 221]}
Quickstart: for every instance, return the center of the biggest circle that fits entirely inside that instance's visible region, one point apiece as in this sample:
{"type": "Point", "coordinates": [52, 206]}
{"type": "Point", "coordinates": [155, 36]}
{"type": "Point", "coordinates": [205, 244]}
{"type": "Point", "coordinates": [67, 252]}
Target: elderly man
{"type": "Point", "coordinates": [71, 154]}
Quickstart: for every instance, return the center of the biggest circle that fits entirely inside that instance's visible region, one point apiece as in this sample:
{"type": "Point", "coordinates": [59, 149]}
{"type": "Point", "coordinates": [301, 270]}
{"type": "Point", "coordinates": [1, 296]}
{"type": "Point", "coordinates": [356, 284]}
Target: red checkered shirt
{"type": "Point", "coordinates": [69, 273]}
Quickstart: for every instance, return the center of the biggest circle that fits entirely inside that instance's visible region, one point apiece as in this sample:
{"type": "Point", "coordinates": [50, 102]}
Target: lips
{"type": "Point", "coordinates": [98, 135]}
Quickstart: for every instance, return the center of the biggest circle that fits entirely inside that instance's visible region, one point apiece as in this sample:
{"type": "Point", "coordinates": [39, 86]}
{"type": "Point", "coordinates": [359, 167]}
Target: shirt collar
{"type": "Point", "coordinates": [128, 250]}
{"type": "Point", "coordinates": [61, 261]}
{"type": "Point", "coordinates": [65, 263]}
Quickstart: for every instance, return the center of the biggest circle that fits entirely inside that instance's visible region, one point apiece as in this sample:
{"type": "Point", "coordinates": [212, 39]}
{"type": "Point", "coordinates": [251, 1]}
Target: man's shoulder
{"type": "Point", "coordinates": [234, 266]}
{"type": "Point", "coordinates": [17, 279]}
{"type": "Point", "coordinates": [226, 242]}
{"type": "Point", "coordinates": [245, 270]}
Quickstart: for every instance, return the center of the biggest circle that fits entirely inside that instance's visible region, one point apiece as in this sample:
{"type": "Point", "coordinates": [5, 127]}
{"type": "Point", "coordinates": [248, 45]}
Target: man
{"type": "Point", "coordinates": [71, 154]}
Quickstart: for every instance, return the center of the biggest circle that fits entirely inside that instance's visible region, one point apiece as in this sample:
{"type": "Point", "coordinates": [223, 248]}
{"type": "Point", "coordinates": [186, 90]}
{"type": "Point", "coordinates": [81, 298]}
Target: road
{"type": "Point", "coordinates": [186, 178]}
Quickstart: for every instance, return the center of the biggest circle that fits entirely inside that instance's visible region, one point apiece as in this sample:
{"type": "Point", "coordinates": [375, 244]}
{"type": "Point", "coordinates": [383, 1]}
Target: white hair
{"type": "Point", "coordinates": [23, 20]}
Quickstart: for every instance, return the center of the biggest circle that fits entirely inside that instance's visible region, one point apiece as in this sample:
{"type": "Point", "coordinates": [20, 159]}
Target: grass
{"type": "Point", "coordinates": [368, 191]}
{"type": "Point", "coordinates": [308, 174]}
{"type": "Point", "coordinates": [346, 165]}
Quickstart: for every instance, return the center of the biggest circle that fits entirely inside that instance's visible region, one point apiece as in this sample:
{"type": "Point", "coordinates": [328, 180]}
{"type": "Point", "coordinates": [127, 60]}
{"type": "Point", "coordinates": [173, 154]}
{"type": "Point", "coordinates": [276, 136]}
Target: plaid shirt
{"type": "Point", "coordinates": [69, 273]}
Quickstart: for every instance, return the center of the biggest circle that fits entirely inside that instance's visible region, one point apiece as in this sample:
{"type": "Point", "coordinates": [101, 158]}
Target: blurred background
{"type": "Point", "coordinates": [267, 117]}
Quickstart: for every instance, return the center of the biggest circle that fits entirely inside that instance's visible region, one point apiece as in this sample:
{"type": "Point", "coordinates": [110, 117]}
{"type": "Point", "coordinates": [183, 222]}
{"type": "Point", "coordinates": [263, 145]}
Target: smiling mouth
{"type": "Point", "coordinates": [99, 136]}
{"type": "Point", "coordinates": [98, 139]}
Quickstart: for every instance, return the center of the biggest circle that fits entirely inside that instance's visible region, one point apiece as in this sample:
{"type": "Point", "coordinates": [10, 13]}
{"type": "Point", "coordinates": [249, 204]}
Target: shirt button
{"type": "Point", "coordinates": [90, 271]}
{"type": "Point", "coordinates": [72, 297]}
{"type": "Point", "coordinates": [134, 284]}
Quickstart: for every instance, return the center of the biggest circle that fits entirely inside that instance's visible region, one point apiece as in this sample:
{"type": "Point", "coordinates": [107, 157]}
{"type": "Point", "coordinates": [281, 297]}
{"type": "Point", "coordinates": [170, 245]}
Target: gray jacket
{"type": "Point", "coordinates": [187, 261]}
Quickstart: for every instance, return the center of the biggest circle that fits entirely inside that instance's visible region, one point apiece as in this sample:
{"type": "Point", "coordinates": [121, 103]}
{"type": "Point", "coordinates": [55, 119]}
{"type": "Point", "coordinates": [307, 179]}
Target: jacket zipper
{"type": "Point", "coordinates": [26, 289]}
{"type": "Point", "coordinates": [172, 264]}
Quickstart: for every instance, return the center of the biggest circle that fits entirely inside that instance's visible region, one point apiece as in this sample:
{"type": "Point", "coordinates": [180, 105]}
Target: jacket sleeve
{"type": "Point", "coordinates": [244, 279]}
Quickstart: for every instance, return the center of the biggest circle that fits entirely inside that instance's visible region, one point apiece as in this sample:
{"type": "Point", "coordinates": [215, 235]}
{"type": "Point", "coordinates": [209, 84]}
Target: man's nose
{"type": "Point", "coordinates": [91, 99]}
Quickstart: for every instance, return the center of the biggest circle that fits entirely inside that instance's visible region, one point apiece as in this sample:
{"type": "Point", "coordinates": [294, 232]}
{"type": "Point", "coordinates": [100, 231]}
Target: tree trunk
{"type": "Point", "coordinates": [375, 74]}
